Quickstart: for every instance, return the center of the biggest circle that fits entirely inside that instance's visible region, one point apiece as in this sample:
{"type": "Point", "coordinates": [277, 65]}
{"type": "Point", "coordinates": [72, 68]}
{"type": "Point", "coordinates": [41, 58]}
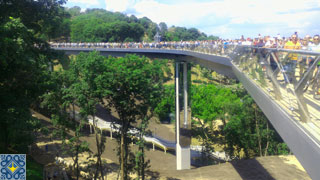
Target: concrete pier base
{"type": "Point", "coordinates": [183, 157]}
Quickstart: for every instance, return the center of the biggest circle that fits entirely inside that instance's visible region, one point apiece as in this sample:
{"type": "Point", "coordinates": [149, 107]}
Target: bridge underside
{"type": "Point", "coordinates": [221, 65]}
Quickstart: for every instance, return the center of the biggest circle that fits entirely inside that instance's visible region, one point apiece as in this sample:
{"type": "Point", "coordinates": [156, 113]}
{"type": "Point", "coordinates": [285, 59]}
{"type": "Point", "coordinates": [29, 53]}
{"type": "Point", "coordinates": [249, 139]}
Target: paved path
{"type": "Point", "coordinates": [163, 166]}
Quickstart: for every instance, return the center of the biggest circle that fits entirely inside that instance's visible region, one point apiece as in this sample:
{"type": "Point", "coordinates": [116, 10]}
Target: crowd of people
{"type": "Point", "coordinates": [293, 42]}
{"type": "Point", "coordinates": [220, 47]}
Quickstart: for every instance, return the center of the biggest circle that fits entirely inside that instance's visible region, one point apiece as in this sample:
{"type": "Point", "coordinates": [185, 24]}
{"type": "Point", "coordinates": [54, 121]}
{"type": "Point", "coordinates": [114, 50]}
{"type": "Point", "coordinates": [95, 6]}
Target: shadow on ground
{"type": "Point", "coordinates": [251, 169]}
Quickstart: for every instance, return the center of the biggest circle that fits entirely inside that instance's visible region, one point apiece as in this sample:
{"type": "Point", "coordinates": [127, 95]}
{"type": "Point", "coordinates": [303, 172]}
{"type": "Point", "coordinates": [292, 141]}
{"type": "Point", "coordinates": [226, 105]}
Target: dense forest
{"type": "Point", "coordinates": [99, 25]}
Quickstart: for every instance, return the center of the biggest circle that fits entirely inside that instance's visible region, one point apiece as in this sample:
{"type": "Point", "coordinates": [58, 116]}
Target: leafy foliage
{"type": "Point", "coordinates": [103, 26]}
{"type": "Point", "coordinates": [244, 131]}
{"type": "Point", "coordinates": [133, 87]}
{"type": "Point", "coordinates": [251, 133]}
{"type": "Point", "coordinates": [87, 70]}
{"type": "Point", "coordinates": [24, 63]}
{"type": "Point", "coordinates": [99, 25]}
{"type": "Point", "coordinates": [167, 103]}
{"type": "Point", "coordinates": [34, 169]}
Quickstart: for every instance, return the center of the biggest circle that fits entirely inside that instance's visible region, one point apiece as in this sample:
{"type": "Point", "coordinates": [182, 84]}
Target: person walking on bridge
{"type": "Point", "coordinates": [291, 65]}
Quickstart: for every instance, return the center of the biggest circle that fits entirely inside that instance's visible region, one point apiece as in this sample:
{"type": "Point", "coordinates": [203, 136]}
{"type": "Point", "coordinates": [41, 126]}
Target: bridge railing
{"type": "Point", "coordinates": [290, 77]}
{"type": "Point", "coordinates": [207, 48]}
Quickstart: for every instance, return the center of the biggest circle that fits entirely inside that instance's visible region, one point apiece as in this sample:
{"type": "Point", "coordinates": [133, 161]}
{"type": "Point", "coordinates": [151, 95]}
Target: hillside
{"type": "Point", "coordinates": [99, 25]}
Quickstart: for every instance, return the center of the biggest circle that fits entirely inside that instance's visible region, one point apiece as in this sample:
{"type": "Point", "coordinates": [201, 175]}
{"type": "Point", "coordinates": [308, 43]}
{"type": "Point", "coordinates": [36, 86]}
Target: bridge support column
{"type": "Point", "coordinates": [183, 117]}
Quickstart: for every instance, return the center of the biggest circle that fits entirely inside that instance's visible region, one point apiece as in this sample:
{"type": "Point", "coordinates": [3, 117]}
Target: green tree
{"type": "Point", "coordinates": [145, 22]}
{"type": "Point", "coordinates": [74, 11]}
{"type": "Point", "coordinates": [88, 68]}
{"type": "Point", "coordinates": [249, 131]}
{"type": "Point", "coordinates": [211, 103]}
{"type": "Point", "coordinates": [133, 19]}
{"type": "Point", "coordinates": [211, 37]}
{"type": "Point", "coordinates": [97, 25]}
{"type": "Point", "coordinates": [167, 103]}
{"type": "Point", "coordinates": [163, 29]}
{"type": "Point", "coordinates": [194, 33]}
{"type": "Point", "coordinates": [24, 59]}
{"type": "Point", "coordinates": [244, 128]}
{"type": "Point", "coordinates": [57, 102]}
{"type": "Point", "coordinates": [24, 63]}
{"type": "Point", "coordinates": [133, 86]}
{"type": "Point", "coordinates": [43, 17]}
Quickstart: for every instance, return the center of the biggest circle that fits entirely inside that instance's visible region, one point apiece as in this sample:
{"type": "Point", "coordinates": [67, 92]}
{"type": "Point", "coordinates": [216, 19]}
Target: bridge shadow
{"type": "Point", "coordinates": [104, 114]}
{"type": "Point", "coordinates": [251, 169]}
{"type": "Point", "coordinates": [154, 175]}
{"type": "Point", "coordinates": [170, 178]}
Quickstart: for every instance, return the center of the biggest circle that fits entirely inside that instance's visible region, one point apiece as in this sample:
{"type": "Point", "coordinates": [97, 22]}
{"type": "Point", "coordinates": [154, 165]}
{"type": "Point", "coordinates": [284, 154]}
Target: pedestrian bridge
{"type": "Point", "coordinates": [286, 92]}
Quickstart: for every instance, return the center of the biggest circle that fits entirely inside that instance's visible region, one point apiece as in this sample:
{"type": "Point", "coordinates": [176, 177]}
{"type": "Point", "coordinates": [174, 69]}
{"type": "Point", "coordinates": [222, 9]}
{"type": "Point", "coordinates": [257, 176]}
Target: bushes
{"type": "Point", "coordinates": [34, 169]}
{"type": "Point", "coordinates": [167, 103]}
{"type": "Point", "coordinates": [245, 128]}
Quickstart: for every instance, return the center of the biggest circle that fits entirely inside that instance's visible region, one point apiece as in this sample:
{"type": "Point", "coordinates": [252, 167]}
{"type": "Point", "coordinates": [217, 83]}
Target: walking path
{"type": "Point", "coordinates": [163, 166]}
{"type": "Point", "coordinates": [154, 139]}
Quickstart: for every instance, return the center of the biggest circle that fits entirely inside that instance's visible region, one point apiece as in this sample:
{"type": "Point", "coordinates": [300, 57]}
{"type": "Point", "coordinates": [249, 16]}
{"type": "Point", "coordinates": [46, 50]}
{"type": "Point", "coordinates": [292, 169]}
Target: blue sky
{"type": "Point", "coordinates": [224, 18]}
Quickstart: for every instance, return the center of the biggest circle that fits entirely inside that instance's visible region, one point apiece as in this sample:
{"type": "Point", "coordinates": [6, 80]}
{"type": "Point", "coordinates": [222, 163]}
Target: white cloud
{"type": "Point", "coordinates": [119, 5]}
{"type": "Point", "coordinates": [87, 2]}
{"type": "Point", "coordinates": [281, 14]}
{"type": "Point", "coordinates": [173, 14]}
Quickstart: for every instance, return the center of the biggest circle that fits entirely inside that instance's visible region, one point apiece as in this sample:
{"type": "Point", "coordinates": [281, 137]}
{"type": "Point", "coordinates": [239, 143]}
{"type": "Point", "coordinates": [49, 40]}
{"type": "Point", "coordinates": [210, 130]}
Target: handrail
{"type": "Point", "coordinates": [169, 45]}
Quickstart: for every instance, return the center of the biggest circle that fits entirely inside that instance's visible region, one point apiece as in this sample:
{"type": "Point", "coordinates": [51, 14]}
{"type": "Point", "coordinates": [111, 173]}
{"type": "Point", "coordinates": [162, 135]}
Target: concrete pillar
{"type": "Point", "coordinates": [182, 121]}
{"type": "Point", "coordinates": [177, 102]}
{"type": "Point", "coordinates": [185, 94]}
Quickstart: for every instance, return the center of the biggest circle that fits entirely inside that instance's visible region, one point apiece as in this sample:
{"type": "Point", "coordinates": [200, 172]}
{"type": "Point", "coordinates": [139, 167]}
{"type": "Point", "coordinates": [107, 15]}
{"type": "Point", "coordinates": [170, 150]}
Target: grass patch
{"type": "Point", "coordinates": [34, 169]}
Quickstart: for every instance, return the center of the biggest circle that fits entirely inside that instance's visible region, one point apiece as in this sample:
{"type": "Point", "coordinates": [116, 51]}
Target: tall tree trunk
{"type": "Point", "coordinates": [126, 153]}
{"type": "Point", "coordinates": [122, 155]}
{"type": "Point", "coordinates": [6, 138]}
{"type": "Point", "coordinates": [73, 113]}
{"type": "Point", "coordinates": [77, 134]}
{"type": "Point", "coordinates": [267, 146]}
{"type": "Point", "coordinates": [141, 147]}
{"type": "Point", "coordinates": [77, 161]}
{"type": "Point", "coordinates": [142, 170]}
{"type": "Point", "coordinates": [98, 143]}
{"type": "Point", "coordinates": [258, 131]}
{"type": "Point", "coordinates": [101, 165]}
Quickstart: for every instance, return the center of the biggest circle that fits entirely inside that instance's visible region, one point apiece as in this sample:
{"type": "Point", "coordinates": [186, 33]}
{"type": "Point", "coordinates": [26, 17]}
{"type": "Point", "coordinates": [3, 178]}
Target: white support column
{"type": "Point", "coordinates": [183, 157]}
{"type": "Point", "coordinates": [177, 104]}
{"type": "Point", "coordinates": [185, 94]}
{"type": "Point", "coordinates": [182, 153]}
